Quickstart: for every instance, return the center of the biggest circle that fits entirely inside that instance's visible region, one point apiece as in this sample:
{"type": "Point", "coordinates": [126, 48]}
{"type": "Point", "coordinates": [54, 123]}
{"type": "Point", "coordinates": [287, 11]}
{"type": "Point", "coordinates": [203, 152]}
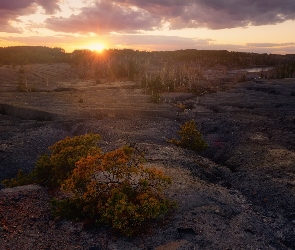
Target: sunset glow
{"type": "Point", "coordinates": [254, 26]}
{"type": "Point", "coordinates": [98, 47]}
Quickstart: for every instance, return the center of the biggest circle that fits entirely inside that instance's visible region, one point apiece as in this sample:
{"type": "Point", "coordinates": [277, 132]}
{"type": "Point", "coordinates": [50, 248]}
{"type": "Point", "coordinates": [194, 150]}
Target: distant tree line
{"type": "Point", "coordinates": [171, 70]}
{"type": "Point", "coordinates": [155, 71]}
{"type": "Point", "coordinates": [20, 55]}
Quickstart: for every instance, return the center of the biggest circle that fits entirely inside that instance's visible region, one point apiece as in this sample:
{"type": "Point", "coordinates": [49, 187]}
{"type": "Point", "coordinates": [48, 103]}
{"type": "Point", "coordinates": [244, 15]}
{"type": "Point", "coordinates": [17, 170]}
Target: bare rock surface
{"type": "Point", "coordinates": [238, 195]}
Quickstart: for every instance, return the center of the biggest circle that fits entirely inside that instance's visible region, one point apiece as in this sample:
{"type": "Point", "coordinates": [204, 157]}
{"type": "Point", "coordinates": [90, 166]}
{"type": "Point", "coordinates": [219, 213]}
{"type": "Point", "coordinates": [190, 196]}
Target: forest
{"type": "Point", "coordinates": [155, 71]}
{"type": "Point", "coordinates": [205, 58]}
{"type": "Point", "coordinates": [21, 55]}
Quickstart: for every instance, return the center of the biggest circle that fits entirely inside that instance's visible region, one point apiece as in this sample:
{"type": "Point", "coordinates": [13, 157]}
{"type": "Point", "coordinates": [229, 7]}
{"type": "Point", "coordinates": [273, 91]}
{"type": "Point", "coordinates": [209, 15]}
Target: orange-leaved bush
{"type": "Point", "coordinates": [116, 189]}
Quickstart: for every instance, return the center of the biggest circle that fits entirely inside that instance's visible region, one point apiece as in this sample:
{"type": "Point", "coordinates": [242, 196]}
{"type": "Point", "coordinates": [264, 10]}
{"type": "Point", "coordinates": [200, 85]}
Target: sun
{"type": "Point", "coordinates": [98, 47]}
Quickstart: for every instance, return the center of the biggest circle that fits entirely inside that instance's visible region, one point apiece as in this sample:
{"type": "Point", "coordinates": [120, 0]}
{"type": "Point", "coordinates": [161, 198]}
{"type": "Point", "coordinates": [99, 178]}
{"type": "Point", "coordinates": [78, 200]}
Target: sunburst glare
{"type": "Point", "coordinates": [97, 47]}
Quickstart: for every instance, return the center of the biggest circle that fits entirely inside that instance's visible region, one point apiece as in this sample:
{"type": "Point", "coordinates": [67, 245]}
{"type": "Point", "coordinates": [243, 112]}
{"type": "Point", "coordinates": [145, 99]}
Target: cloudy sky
{"type": "Point", "coordinates": [263, 26]}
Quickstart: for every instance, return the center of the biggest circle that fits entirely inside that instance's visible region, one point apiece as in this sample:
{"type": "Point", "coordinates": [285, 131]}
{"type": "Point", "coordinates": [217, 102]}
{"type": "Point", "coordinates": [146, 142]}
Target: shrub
{"type": "Point", "coordinates": [34, 89]}
{"type": "Point", "coordinates": [243, 78]}
{"type": "Point", "coordinates": [21, 88]}
{"type": "Point", "coordinates": [20, 180]}
{"type": "Point", "coordinates": [180, 106]}
{"type": "Point", "coordinates": [52, 169]}
{"type": "Point", "coordinates": [114, 188]}
{"type": "Point", "coordinates": [191, 138]}
{"type": "Point", "coordinates": [155, 98]}
{"type": "Point", "coordinates": [22, 70]}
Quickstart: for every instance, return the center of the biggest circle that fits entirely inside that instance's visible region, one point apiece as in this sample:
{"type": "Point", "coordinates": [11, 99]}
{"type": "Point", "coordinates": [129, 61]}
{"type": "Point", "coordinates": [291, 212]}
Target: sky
{"type": "Point", "coordinates": [260, 26]}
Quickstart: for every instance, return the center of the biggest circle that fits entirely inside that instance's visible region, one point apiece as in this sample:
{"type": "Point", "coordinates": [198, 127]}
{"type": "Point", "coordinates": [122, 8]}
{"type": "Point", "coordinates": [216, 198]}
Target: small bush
{"type": "Point", "coordinates": [114, 188]}
{"type": "Point", "coordinates": [20, 180]}
{"type": "Point", "coordinates": [22, 70]}
{"type": "Point", "coordinates": [54, 169]}
{"type": "Point", "coordinates": [180, 106]}
{"type": "Point", "coordinates": [21, 87]}
{"type": "Point", "coordinates": [155, 98]}
{"type": "Point", "coordinates": [191, 138]}
{"type": "Point", "coordinates": [51, 170]}
{"type": "Point", "coordinates": [34, 89]}
{"type": "Point", "coordinates": [243, 78]}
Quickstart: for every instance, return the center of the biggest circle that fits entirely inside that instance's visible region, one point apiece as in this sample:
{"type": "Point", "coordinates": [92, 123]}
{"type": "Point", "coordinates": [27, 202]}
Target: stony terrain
{"type": "Point", "coordinates": [240, 194]}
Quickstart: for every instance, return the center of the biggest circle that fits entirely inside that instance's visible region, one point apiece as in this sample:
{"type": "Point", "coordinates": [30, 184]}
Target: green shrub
{"type": "Point", "coordinates": [20, 180]}
{"type": "Point", "coordinates": [51, 170]}
{"type": "Point", "coordinates": [191, 138]}
{"type": "Point", "coordinates": [54, 169]}
{"type": "Point", "coordinates": [114, 188]}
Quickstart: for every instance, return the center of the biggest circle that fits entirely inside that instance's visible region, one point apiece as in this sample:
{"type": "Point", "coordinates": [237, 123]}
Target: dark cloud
{"type": "Point", "coordinates": [50, 6]}
{"type": "Point", "coordinates": [156, 7]}
{"type": "Point", "coordinates": [15, 5]}
{"type": "Point", "coordinates": [217, 14]}
{"type": "Point", "coordinates": [9, 28]}
{"type": "Point", "coordinates": [105, 16]}
{"type": "Point", "coordinates": [10, 10]}
{"type": "Point", "coordinates": [132, 15]}
{"type": "Point", "coordinates": [118, 16]}
{"type": "Point", "coordinates": [239, 13]}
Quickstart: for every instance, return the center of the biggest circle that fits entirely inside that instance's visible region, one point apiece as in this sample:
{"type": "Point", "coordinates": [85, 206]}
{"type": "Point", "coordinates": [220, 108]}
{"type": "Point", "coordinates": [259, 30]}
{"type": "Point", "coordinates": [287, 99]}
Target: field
{"type": "Point", "coordinates": [240, 194]}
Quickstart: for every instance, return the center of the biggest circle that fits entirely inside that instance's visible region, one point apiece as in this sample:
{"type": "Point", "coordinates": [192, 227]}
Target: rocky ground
{"type": "Point", "coordinates": [240, 194]}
